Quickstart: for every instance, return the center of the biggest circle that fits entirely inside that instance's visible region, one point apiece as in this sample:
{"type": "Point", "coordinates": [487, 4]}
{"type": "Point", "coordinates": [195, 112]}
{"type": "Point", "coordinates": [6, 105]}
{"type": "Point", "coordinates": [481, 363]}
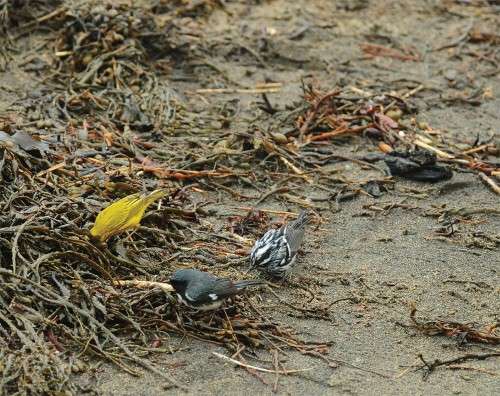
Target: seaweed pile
{"type": "Point", "coordinates": [105, 127]}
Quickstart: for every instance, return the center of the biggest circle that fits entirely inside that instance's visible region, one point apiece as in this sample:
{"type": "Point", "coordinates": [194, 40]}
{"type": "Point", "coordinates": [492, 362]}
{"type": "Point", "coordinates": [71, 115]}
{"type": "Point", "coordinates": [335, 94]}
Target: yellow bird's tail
{"type": "Point", "coordinates": [156, 194]}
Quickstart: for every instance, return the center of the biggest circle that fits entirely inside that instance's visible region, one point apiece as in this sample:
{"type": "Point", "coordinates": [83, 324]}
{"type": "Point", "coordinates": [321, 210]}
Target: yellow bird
{"type": "Point", "coordinates": [123, 215]}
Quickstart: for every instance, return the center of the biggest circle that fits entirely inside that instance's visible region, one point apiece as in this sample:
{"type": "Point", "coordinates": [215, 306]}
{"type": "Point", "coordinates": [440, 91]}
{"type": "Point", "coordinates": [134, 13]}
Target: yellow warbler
{"type": "Point", "coordinates": [123, 214]}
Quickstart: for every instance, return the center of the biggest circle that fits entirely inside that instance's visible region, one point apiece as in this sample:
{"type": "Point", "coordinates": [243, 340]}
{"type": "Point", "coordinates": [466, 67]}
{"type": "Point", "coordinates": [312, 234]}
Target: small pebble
{"type": "Point", "coordinates": [423, 125]}
{"type": "Point", "coordinates": [395, 114]}
{"type": "Point", "coordinates": [279, 138]}
{"type": "Point", "coordinates": [450, 74]}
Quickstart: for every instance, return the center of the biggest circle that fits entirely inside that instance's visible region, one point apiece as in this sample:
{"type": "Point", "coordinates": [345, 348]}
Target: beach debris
{"type": "Point", "coordinates": [419, 165]}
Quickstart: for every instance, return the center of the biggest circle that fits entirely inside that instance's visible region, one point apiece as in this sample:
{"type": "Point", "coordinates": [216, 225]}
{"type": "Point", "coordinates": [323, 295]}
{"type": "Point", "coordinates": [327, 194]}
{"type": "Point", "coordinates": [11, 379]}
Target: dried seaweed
{"type": "Point", "coordinates": [462, 331]}
{"type": "Point", "coordinates": [15, 14]}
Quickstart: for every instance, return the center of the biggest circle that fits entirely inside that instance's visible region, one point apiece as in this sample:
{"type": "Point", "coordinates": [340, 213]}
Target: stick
{"type": "Point", "coordinates": [375, 50]}
{"type": "Point", "coordinates": [248, 366]}
{"type": "Point", "coordinates": [51, 169]}
{"type": "Point", "coordinates": [490, 182]}
{"type": "Point", "coordinates": [233, 91]}
{"type": "Point", "coordinates": [166, 287]}
{"type": "Point", "coordinates": [460, 359]}
{"type": "Point", "coordinates": [413, 91]}
{"type": "Point", "coordinates": [292, 306]}
{"type": "Point", "coordinates": [481, 370]}
{"type": "Point", "coordinates": [278, 212]}
{"type": "Point", "coordinates": [406, 370]}
{"type": "Point", "coordinates": [296, 170]}
{"type": "Point", "coordinates": [278, 190]}
{"type": "Point", "coordinates": [44, 18]}
{"type": "Point", "coordinates": [479, 148]}
{"type": "Point", "coordinates": [339, 131]}
{"type": "Point", "coordinates": [314, 111]}
{"type": "Point", "coordinates": [431, 148]}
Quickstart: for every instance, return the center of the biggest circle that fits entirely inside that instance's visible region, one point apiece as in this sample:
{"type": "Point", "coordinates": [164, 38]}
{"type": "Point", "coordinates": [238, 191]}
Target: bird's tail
{"type": "Point", "coordinates": [244, 284]}
{"type": "Point", "coordinates": [147, 200]}
{"type": "Point", "coordinates": [302, 219]}
{"type": "Point", "coordinates": [156, 194]}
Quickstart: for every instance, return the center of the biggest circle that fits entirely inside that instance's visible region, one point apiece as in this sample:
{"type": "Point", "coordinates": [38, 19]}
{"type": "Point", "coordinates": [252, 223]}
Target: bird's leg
{"type": "Point", "coordinates": [180, 321]}
{"type": "Point", "coordinates": [129, 238]}
{"type": "Point", "coordinates": [211, 318]}
{"type": "Point", "coordinates": [132, 233]}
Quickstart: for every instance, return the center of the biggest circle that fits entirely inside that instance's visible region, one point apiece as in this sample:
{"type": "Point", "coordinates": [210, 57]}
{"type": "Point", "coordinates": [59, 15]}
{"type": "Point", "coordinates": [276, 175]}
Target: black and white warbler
{"type": "Point", "coordinates": [276, 251]}
{"type": "Point", "coordinates": [203, 291]}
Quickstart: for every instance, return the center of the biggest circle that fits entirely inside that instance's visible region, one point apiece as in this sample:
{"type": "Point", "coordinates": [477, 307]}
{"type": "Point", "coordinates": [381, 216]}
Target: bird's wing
{"type": "Point", "coordinates": [211, 291]}
{"type": "Point", "coordinates": [272, 250]}
{"type": "Point", "coordinates": [111, 219]}
{"type": "Point", "coordinates": [261, 244]}
{"type": "Point", "coordinates": [225, 288]}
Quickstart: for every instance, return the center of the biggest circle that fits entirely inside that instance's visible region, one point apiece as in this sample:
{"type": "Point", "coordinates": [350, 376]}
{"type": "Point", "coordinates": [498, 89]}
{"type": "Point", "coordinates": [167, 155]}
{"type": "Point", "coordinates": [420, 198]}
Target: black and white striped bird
{"type": "Point", "coordinates": [276, 251]}
{"type": "Point", "coordinates": [205, 292]}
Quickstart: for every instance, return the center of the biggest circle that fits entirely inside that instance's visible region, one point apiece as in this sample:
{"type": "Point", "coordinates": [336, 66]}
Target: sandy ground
{"type": "Point", "coordinates": [378, 261]}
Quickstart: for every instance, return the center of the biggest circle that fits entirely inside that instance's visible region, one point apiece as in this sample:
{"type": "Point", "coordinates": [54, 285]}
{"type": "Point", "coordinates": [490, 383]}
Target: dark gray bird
{"type": "Point", "coordinates": [276, 251]}
{"type": "Point", "coordinates": [203, 291]}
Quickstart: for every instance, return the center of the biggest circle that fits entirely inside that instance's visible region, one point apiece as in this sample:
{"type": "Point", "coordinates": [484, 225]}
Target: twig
{"type": "Point", "coordinates": [296, 170]}
{"type": "Point", "coordinates": [296, 308]}
{"type": "Point", "coordinates": [314, 111]}
{"type": "Point", "coordinates": [479, 369]}
{"type": "Point", "coordinates": [44, 18]}
{"type": "Point", "coordinates": [342, 130]}
{"type": "Point", "coordinates": [470, 356]}
{"type": "Point", "coordinates": [236, 90]}
{"type": "Point", "coordinates": [277, 212]}
{"type": "Point", "coordinates": [413, 91]}
{"type": "Point", "coordinates": [431, 148]}
{"type": "Point", "coordinates": [374, 50]}
{"type": "Point", "coordinates": [51, 169]}
{"type": "Point", "coordinates": [478, 149]}
{"type": "Point", "coordinates": [335, 362]}
{"type": "Point", "coordinates": [248, 366]}
{"type": "Point", "coordinates": [255, 54]}
{"type": "Point", "coordinates": [488, 180]}
{"type": "Point", "coordinates": [278, 190]}
{"type": "Point", "coordinates": [141, 284]}
{"type": "Point", "coordinates": [408, 369]}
